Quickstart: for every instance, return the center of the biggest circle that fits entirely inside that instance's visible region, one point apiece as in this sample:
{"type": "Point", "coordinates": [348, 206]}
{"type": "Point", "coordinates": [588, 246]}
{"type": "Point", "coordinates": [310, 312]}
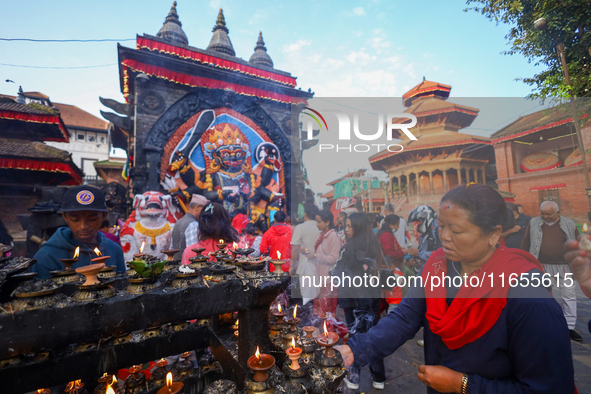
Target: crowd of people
{"type": "Point", "coordinates": [488, 338]}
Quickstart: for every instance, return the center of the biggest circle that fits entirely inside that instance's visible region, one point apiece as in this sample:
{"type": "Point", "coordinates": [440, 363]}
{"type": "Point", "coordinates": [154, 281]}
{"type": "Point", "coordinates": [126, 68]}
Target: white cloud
{"type": "Point", "coordinates": [359, 11]}
{"type": "Point", "coordinates": [296, 46]}
{"type": "Point", "coordinates": [215, 4]}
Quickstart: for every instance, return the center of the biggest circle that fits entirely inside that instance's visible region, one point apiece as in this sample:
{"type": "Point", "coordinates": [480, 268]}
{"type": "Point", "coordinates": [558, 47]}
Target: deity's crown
{"type": "Point", "coordinates": [226, 134]}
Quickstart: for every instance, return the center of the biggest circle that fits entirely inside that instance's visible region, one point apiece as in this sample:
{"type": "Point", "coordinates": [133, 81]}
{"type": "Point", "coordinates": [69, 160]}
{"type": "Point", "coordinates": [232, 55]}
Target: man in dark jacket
{"type": "Point", "coordinates": [83, 209]}
{"type": "Point", "coordinates": [513, 240]}
{"type": "Point", "coordinates": [278, 239]}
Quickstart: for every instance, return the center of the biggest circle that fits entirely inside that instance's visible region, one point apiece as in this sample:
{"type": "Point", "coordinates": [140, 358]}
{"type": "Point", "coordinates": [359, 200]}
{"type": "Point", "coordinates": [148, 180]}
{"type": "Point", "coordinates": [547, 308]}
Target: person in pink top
{"type": "Point", "coordinates": [214, 225]}
{"type": "Point", "coordinates": [325, 255]}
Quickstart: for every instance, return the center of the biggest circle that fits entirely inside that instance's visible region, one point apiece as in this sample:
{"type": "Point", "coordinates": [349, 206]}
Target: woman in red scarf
{"type": "Point", "coordinates": [483, 334]}
{"type": "Point", "coordinates": [325, 255]}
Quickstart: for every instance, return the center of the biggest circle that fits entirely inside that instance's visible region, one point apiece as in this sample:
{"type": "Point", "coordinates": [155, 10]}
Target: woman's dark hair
{"type": "Point", "coordinates": [326, 216]}
{"type": "Point", "coordinates": [486, 207]}
{"type": "Point", "coordinates": [390, 220]}
{"type": "Point", "coordinates": [251, 229]}
{"type": "Point", "coordinates": [364, 238]}
{"type": "Point", "coordinates": [215, 223]}
{"type": "Point", "coordinates": [105, 223]}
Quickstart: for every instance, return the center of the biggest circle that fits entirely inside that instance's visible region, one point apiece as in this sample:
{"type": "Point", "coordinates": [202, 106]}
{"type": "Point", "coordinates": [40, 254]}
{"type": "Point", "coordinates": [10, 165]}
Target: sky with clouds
{"type": "Point", "coordinates": [374, 48]}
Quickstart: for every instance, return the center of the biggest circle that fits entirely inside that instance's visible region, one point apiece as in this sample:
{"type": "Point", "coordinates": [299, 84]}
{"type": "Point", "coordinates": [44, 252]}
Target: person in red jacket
{"type": "Point", "coordinates": [394, 255]}
{"type": "Point", "coordinates": [278, 239]}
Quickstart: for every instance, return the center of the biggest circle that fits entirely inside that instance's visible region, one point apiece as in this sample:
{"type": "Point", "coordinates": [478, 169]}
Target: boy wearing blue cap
{"type": "Point", "coordinates": [83, 209]}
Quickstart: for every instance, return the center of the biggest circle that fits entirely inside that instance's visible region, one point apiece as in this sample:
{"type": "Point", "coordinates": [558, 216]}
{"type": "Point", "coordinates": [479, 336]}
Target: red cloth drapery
{"type": "Point", "coordinates": [145, 43]}
{"type": "Point", "coordinates": [35, 165]}
{"type": "Point", "coordinates": [47, 119]}
{"type": "Point", "coordinates": [195, 81]}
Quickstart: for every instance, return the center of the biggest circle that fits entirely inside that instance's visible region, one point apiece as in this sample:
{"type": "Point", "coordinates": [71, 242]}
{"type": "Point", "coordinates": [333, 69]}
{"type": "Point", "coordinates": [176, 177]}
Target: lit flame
{"type": "Point", "coordinates": [105, 374]}
{"type": "Point", "coordinates": [169, 380]}
{"type": "Point", "coordinates": [278, 255]}
{"type": "Point", "coordinates": [70, 385]}
{"type": "Point", "coordinates": [114, 380]}
{"type": "Point", "coordinates": [162, 360]}
{"type": "Point", "coordinates": [235, 246]}
{"type": "Point", "coordinates": [97, 251]}
{"type": "Point", "coordinates": [77, 252]}
{"type": "Point", "coordinates": [142, 248]}
{"type": "Point", "coordinates": [77, 383]}
{"type": "Point", "coordinates": [236, 322]}
{"type": "Point", "coordinates": [293, 343]}
{"type": "Point", "coordinates": [221, 241]}
{"type": "Point", "coordinates": [325, 330]}
{"type": "Point", "coordinates": [279, 307]}
{"type": "Point", "coordinates": [295, 311]}
{"type": "Point", "coordinates": [109, 390]}
{"type": "Point", "coordinates": [585, 228]}
{"type": "Point", "coordinates": [258, 354]}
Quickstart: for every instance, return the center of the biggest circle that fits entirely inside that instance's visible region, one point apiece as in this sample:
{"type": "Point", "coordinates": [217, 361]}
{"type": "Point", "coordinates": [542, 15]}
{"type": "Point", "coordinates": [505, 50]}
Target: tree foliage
{"type": "Point", "coordinates": [569, 22]}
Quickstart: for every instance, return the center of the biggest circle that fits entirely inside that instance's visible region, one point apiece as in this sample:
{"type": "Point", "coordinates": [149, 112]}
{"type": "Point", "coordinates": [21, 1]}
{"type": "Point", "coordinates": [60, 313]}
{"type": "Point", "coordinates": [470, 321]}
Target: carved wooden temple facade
{"type": "Point", "coordinates": [441, 157]}
{"type": "Point", "coordinates": [206, 121]}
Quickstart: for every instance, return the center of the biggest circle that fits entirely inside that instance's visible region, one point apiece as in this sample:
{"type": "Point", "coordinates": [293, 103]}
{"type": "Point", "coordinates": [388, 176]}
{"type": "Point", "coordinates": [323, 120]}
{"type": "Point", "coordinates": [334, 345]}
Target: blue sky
{"type": "Point", "coordinates": [338, 48]}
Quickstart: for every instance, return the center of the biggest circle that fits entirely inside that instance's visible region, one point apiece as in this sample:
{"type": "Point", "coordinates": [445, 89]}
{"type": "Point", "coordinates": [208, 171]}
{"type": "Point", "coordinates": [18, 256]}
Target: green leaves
{"type": "Point", "coordinates": [148, 270]}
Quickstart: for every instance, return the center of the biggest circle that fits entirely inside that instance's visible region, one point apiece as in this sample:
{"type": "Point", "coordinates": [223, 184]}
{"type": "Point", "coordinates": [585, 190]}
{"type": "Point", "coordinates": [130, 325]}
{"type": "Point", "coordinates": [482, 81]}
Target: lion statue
{"type": "Point", "coordinates": [150, 223]}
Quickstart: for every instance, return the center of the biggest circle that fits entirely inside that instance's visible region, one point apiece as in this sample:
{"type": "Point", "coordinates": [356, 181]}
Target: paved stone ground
{"type": "Point", "coordinates": [402, 366]}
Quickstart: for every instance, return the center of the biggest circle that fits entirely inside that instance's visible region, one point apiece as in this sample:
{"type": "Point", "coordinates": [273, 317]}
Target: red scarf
{"type": "Point", "coordinates": [475, 309]}
{"type": "Point", "coordinates": [321, 237]}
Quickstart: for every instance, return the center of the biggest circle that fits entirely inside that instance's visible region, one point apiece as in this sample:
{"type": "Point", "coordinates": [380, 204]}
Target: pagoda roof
{"type": "Point", "coordinates": [426, 89]}
{"type": "Point", "coordinates": [546, 119]}
{"type": "Point", "coordinates": [441, 140]}
{"type": "Point", "coordinates": [33, 122]}
{"type": "Point", "coordinates": [329, 195]}
{"type": "Point", "coordinates": [32, 162]}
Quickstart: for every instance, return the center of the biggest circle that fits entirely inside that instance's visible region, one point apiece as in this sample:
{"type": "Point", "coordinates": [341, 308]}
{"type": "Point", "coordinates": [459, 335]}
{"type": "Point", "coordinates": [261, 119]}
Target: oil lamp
{"type": "Point", "coordinates": [221, 245]}
{"type": "Point", "coordinates": [159, 375]}
{"type": "Point", "coordinates": [294, 354]}
{"type": "Point", "coordinates": [105, 381]}
{"type": "Point", "coordinates": [260, 363]}
{"type": "Point", "coordinates": [91, 272]}
{"type": "Point", "coordinates": [309, 330]}
{"type": "Point", "coordinates": [141, 254]}
{"type": "Point", "coordinates": [43, 391]}
{"type": "Point", "coordinates": [171, 386]}
{"type": "Point", "coordinates": [170, 253]}
{"type": "Point", "coordinates": [185, 368]}
{"type": "Point", "coordinates": [328, 340]}
{"type": "Point", "coordinates": [100, 258]}
{"type": "Point", "coordinates": [277, 263]}
{"type": "Point", "coordinates": [585, 243]}
{"type": "Point", "coordinates": [280, 314]}
{"type": "Point", "coordinates": [74, 387]}
{"type": "Point", "coordinates": [293, 321]}
{"type": "Point", "coordinates": [69, 262]}
{"type": "Point", "coordinates": [235, 327]}
{"type": "Point", "coordinates": [135, 381]}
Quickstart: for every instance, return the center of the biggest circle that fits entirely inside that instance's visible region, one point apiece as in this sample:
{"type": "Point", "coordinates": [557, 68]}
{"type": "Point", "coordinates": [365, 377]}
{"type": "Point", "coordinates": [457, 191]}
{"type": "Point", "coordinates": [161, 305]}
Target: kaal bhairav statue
{"type": "Point", "coordinates": [227, 175]}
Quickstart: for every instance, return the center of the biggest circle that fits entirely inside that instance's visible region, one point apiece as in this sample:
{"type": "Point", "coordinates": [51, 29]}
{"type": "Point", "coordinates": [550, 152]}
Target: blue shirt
{"type": "Point", "coordinates": [62, 245]}
{"type": "Point", "coordinates": [526, 351]}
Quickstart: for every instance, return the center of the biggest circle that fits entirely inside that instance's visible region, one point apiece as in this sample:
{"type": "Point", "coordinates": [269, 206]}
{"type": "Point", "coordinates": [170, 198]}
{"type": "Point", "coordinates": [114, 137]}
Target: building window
{"type": "Point", "coordinates": [80, 136]}
{"type": "Point", "coordinates": [549, 195]}
{"type": "Point", "coordinates": [102, 139]}
{"type": "Point", "coordinates": [90, 137]}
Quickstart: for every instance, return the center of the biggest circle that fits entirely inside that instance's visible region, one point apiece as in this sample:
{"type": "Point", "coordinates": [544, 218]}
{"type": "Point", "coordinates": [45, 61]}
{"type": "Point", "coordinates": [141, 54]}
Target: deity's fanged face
{"type": "Point", "coordinates": [230, 157]}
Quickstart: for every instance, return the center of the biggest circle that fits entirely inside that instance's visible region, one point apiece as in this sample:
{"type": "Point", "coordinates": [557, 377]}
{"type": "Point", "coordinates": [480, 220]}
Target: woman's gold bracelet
{"type": "Point", "coordinates": [464, 384]}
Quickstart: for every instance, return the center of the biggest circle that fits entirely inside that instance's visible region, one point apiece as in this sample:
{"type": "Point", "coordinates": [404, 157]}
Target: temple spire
{"type": "Point", "coordinates": [260, 55]}
{"type": "Point", "coordinates": [220, 42]}
{"type": "Point", "coordinates": [172, 28]}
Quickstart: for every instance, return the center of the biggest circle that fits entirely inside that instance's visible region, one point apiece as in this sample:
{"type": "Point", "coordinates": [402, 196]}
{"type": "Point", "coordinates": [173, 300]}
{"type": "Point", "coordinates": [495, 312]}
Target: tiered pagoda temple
{"type": "Point", "coordinates": [187, 107]}
{"type": "Point", "coordinates": [441, 157]}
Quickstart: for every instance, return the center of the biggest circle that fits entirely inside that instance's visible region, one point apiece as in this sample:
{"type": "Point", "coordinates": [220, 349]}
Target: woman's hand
{"type": "Point", "coordinates": [347, 354]}
{"type": "Point", "coordinates": [580, 263]}
{"type": "Point", "coordinates": [405, 250]}
{"type": "Point", "coordinates": [413, 251]}
{"type": "Point", "coordinates": [441, 378]}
